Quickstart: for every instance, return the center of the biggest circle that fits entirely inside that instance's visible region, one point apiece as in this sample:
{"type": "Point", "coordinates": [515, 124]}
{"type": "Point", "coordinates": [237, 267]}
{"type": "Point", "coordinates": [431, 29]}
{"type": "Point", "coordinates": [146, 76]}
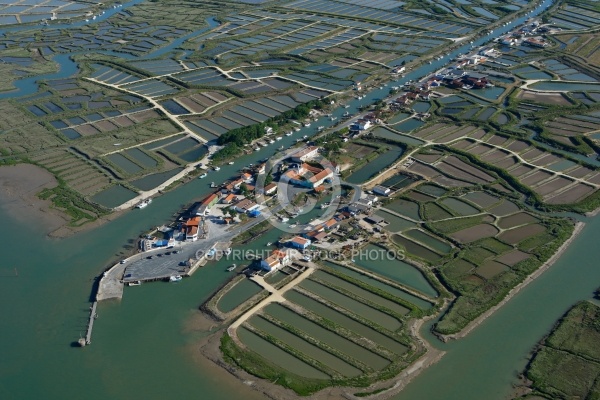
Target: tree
{"type": "Point", "coordinates": [244, 189]}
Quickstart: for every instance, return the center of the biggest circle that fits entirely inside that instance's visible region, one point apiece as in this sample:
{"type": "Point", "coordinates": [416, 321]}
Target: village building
{"type": "Point", "coordinates": [374, 219]}
{"type": "Point", "coordinates": [205, 205]}
{"type": "Point", "coordinates": [299, 242]}
{"type": "Point", "coordinates": [190, 228]}
{"type": "Point", "coordinates": [382, 190]}
{"type": "Point", "coordinates": [305, 154]}
{"type": "Point", "coordinates": [271, 188]}
{"type": "Point", "coordinates": [277, 259]}
{"type": "Point", "coordinates": [229, 199]}
{"type": "Point", "coordinates": [245, 205]}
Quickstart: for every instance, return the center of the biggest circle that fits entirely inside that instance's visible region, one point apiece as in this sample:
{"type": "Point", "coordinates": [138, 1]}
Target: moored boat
{"type": "Point", "coordinates": [175, 278]}
{"type": "Point", "coordinates": [143, 204]}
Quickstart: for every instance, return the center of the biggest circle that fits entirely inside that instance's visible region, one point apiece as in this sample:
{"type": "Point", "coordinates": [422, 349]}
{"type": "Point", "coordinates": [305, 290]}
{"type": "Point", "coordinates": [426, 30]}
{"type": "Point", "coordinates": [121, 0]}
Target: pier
{"type": "Point", "coordinates": [88, 334]}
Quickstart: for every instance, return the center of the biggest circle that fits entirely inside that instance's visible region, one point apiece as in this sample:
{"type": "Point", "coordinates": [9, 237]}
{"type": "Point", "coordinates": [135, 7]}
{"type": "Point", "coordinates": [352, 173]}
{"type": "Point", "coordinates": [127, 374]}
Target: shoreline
{"type": "Point", "coordinates": [19, 188]}
{"type": "Point", "coordinates": [530, 278]}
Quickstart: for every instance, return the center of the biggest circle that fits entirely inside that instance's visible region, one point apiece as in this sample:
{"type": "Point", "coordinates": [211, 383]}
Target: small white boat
{"type": "Point", "coordinates": [307, 258]}
{"type": "Point", "coordinates": [228, 251]}
{"type": "Point", "coordinates": [134, 283]}
{"type": "Point", "coordinates": [230, 163]}
{"type": "Point", "coordinates": [347, 106]}
{"type": "Point", "coordinates": [297, 129]}
{"type": "Point", "coordinates": [269, 243]}
{"type": "Point", "coordinates": [271, 141]}
{"type": "Point", "coordinates": [285, 219]}
{"type": "Point", "coordinates": [212, 185]}
{"type": "Point", "coordinates": [320, 128]}
{"type": "Point", "coordinates": [175, 278]}
{"type": "Point", "coordinates": [307, 124]}
{"type": "Point", "coordinates": [257, 148]}
{"type": "Point", "coordinates": [278, 138]}
{"type": "Point", "coordinates": [234, 266]}
{"type": "Point", "coordinates": [143, 204]}
{"type": "Point", "coordinates": [204, 175]}
{"type": "Point", "coordinates": [289, 133]}
{"type": "Point", "coordinates": [333, 118]}
{"type": "Point", "coordinates": [305, 137]}
{"type": "Point", "coordinates": [216, 168]}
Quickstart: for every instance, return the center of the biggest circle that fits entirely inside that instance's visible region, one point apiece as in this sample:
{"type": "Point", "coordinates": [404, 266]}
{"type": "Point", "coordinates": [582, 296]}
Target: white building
{"type": "Point", "coordinates": [305, 154]}
{"type": "Point", "coordinates": [382, 190]}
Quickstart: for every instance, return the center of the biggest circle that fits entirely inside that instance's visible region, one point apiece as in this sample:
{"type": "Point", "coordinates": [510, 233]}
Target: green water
{"type": "Point", "coordinates": [425, 305]}
{"type": "Point", "coordinates": [487, 360]}
{"type": "Point", "coordinates": [377, 165]}
{"type": "Point", "coordinates": [277, 356]}
{"type": "Point", "coordinates": [332, 280]}
{"type": "Point", "coordinates": [351, 304]}
{"type": "Point", "coordinates": [345, 321]}
{"type": "Point", "coordinates": [394, 269]}
{"type": "Point", "coordinates": [304, 347]}
{"type": "Point", "coordinates": [326, 336]}
{"type": "Point", "coordinates": [238, 294]}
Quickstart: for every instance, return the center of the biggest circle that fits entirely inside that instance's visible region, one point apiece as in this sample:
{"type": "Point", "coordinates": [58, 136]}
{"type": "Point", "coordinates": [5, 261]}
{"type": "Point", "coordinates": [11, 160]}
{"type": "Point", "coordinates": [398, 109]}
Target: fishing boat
{"type": "Point", "coordinates": [143, 204]}
{"type": "Point", "coordinates": [175, 278]}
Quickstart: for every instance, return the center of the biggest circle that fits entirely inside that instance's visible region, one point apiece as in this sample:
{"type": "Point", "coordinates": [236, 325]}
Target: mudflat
{"type": "Point", "coordinates": [19, 186]}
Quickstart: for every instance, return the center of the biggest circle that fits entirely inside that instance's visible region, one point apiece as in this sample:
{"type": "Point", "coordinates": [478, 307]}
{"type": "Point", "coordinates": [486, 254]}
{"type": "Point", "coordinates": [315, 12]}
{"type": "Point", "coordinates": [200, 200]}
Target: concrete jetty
{"type": "Point", "coordinates": [90, 327]}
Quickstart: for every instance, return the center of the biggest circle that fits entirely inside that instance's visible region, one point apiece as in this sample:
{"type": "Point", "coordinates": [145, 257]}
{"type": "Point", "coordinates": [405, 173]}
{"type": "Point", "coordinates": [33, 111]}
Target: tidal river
{"type": "Point", "coordinates": [143, 346]}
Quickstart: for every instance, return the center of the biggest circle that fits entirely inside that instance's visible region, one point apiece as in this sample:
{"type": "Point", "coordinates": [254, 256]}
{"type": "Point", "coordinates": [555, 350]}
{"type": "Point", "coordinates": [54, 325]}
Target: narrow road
{"type": "Point", "coordinates": [275, 296]}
